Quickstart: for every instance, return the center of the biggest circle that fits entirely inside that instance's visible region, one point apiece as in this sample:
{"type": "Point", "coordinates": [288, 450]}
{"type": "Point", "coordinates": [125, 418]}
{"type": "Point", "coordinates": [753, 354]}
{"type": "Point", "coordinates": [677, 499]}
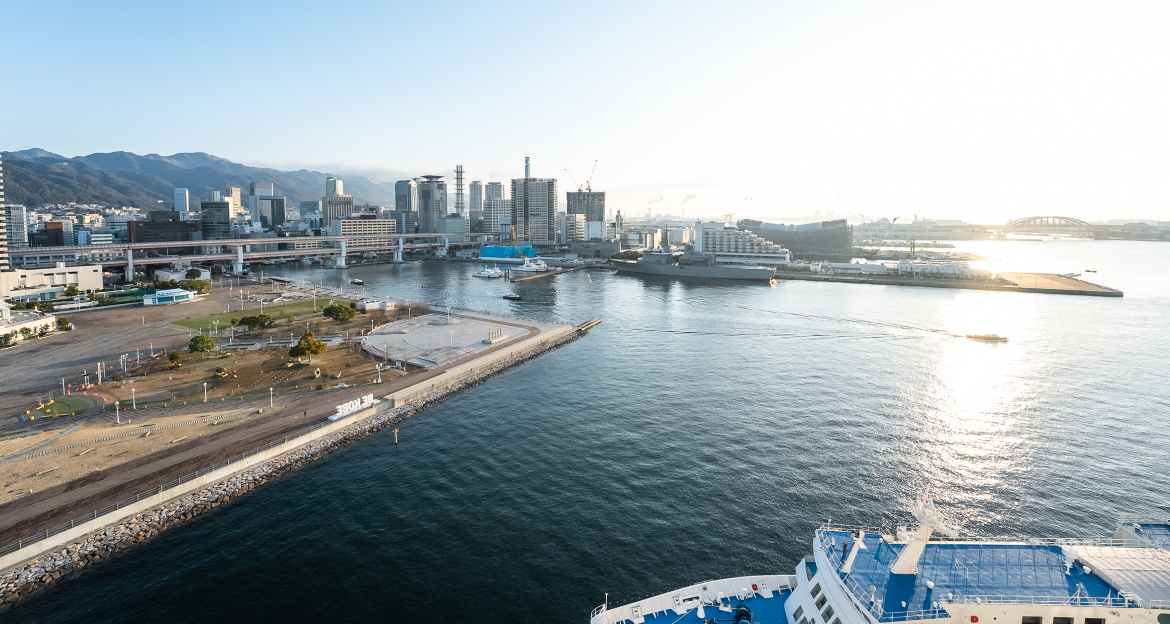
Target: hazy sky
{"type": "Point", "coordinates": [982, 110]}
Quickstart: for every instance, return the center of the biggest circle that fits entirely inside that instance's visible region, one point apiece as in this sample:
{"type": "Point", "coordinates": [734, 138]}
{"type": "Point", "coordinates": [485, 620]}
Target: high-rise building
{"type": "Point", "coordinates": [495, 209]}
{"type": "Point", "coordinates": [588, 203]}
{"type": "Point", "coordinates": [406, 196]}
{"type": "Point", "coordinates": [455, 226]}
{"type": "Point", "coordinates": [3, 226]}
{"type": "Point", "coordinates": [235, 195]}
{"type": "Point", "coordinates": [534, 208]}
{"type": "Point", "coordinates": [335, 204]}
{"type": "Point", "coordinates": [216, 217]}
{"type": "Point", "coordinates": [432, 203]}
{"type": "Point", "coordinates": [494, 190]}
{"type": "Point", "coordinates": [60, 232]}
{"type": "Point", "coordinates": [475, 206]}
{"type": "Point", "coordinates": [15, 220]}
{"type": "Point", "coordinates": [182, 202]}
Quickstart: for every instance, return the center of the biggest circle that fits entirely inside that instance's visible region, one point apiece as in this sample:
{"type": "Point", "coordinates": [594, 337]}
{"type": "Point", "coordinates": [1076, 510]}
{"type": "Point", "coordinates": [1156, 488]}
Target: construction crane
{"type": "Point", "coordinates": [890, 229]}
{"type": "Point", "coordinates": [574, 180]}
{"type": "Point", "coordinates": [589, 182]}
{"type": "Point", "coordinates": [728, 215]}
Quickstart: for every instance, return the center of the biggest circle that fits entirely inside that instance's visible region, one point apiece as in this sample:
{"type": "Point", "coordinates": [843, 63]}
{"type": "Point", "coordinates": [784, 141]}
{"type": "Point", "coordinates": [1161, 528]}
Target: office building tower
{"type": "Point", "coordinates": [262, 189]}
{"type": "Point", "coordinates": [588, 203]}
{"type": "Point", "coordinates": [406, 196]}
{"type": "Point", "coordinates": [3, 226]}
{"type": "Point", "coordinates": [279, 209]}
{"type": "Point", "coordinates": [182, 202]}
{"type": "Point", "coordinates": [60, 233]}
{"type": "Point", "coordinates": [432, 203]}
{"type": "Point", "coordinates": [455, 226]}
{"type": "Point", "coordinates": [365, 224]}
{"type": "Point", "coordinates": [494, 190]}
{"type": "Point", "coordinates": [235, 195]}
{"type": "Point", "coordinates": [459, 207]}
{"type": "Point", "coordinates": [534, 208]}
{"type": "Point", "coordinates": [216, 219]}
{"type": "Point", "coordinates": [495, 211]}
{"type": "Point", "coordinates": [335, 205]}
{"type": "Point", "coordinates": [15, 220]}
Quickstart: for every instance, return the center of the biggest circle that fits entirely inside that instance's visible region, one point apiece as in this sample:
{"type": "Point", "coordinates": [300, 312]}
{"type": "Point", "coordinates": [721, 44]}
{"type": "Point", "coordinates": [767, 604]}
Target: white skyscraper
{"type": "Point", "coordinates": [494, 190]}
{"type": "Point", "coordinates": [475, 206]}
{"type": "Point", "coordinates": [182, 203]}
{"type": "Point", "coordinates": [493, 211]}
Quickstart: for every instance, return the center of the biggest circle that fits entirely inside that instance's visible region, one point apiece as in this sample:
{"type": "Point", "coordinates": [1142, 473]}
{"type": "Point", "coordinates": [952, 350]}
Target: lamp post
{"type": "Point", "coordinates": [133, 399]}
{"type": "Point", "coordinates": [216, 324]}
{"type": "Point", "coordinates": [205, 392]}
{"type": "Point", "coordinates": [270, 397]}
{"type": "Point", "coordinates": [117, 412]}
{"type": "Point", "coordinates": [448, 315]}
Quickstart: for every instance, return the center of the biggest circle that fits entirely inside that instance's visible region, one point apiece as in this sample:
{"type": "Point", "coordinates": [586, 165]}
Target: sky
{"type": "Point", "coordinates": [984, 111]}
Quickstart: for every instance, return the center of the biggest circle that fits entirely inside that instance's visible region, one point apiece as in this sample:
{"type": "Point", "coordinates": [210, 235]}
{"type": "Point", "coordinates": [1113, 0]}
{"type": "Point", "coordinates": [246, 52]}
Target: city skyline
{"type": "Point", "coordinates": [980, 112]}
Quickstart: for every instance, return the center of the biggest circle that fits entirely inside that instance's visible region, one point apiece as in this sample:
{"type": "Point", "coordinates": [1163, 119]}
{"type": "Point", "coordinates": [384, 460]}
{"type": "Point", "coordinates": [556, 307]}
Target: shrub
{"type": "Point", "coordinates": [193, 274]}
{"type": "Point", "coordinates": [62, 322]}
{"type": "Point", "coordinates": [174, 356]}
{"type": "Point", "coordinates": [259, 321]}
{"type": "Point", "coordinates": [72, 291]}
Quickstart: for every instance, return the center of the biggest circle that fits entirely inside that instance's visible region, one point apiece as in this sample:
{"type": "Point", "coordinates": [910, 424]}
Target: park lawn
{"type": "Point", "coordinates": [299, 308]}
{"type": "Point", "coordinates": [65, 406]}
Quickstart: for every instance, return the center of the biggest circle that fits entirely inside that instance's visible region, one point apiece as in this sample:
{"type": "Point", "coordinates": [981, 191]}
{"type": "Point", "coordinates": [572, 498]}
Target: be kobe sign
{"type": "Point", "coordinates": [355, 405]}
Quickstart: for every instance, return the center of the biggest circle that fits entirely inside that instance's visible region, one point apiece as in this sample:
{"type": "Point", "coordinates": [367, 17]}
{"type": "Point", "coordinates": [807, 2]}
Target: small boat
{"type": "Point", "coordinates": [513, 297]}
{"type": "Point", "coordinates": [268, 262]}
{"type": "Point", "coordinates": [356, 281]}
{"type": "Point", "coordinates": [987, 337]}
{"type": "Point", "coordinates": [532, 267]}
{"type": "Point", "coordinates": [489, 273]}
{"type": "Point", "coordinates": [1090, 270]}
{"type": "Point", "coordinates": [306, 260]}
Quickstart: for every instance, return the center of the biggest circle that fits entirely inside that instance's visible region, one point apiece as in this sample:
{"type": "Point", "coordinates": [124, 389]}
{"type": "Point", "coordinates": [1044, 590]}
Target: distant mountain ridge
{"type": "Point", "coordinates": [36, 177]}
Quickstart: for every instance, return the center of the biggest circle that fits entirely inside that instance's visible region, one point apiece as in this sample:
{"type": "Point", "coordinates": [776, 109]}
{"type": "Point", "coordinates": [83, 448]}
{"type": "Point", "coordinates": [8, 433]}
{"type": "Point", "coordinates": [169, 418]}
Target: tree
{"type": "Point", "coordinates": [339, 313]}
{"type": "Point", "coordinates": [71, 291]}
{"type": "Point", "coordinates": [260, 321]}
{"type": "Point", "coordinates": [25, 331]}
{"type": "Point", "coordinates": [174, 356]}
{"type": "Point", "coordinates": [201, 344]}
{"type": "Point", "coordinates": [62, 322]}
{"type": "Point", "coordinates": [193, 274]}
{"type": "Point", "coordinates": [47, 307]}
{"type": "Point", "coordinates": [307, 345]}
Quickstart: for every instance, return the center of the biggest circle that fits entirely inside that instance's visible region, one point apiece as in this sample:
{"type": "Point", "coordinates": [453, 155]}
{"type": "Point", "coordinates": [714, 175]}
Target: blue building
{"type": "Point", "coordinates": [523, 251]}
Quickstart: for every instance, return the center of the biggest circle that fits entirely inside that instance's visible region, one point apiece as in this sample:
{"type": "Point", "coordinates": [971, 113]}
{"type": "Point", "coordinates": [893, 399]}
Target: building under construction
{"type": "Point", "coordinates": [820, 237]}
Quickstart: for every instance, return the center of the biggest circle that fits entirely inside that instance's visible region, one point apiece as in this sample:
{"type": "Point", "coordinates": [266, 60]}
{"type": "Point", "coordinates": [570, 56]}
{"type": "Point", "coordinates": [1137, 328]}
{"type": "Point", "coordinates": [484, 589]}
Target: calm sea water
{"type": "Point", "coordinates": [701, 431]}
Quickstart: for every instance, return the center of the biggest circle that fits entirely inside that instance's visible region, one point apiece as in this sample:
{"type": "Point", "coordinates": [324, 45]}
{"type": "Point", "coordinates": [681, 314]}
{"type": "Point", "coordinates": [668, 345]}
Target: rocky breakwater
{"type": "Point", "coordinates": [108, 541]}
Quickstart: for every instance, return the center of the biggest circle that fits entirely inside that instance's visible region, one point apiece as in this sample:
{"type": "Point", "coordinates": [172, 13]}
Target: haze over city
{"type": "Point", "coordinates": [980, 111]}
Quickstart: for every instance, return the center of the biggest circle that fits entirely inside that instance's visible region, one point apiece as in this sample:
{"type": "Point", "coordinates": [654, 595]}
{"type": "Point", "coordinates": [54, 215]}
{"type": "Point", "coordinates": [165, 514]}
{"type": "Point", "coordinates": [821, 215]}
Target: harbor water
{"type": "Point", "coordinates": [703, 430]}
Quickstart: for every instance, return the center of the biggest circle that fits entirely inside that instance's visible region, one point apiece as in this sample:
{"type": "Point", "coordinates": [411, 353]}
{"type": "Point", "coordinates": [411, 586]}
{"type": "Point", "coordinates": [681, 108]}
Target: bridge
{"type": "Point", "coordinates": [1050, 224]}
{"type": "Point", "coordinates": [130, 255]}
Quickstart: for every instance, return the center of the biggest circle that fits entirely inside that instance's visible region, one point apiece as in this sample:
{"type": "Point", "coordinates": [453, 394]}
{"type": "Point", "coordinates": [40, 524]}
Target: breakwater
{"type": "Point", "coordinates": [97, 545]}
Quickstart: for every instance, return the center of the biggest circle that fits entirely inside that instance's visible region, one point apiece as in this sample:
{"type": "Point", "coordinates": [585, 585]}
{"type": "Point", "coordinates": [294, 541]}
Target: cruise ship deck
{"type": "Point", "coordinates": [763, 611]}
{"type": "Point", "coordinates": [985, 573]}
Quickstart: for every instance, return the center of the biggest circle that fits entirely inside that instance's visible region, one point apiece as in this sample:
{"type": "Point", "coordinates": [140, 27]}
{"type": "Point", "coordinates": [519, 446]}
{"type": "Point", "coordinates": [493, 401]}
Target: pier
{"type": "Point", "coordinates": [1044, 283]}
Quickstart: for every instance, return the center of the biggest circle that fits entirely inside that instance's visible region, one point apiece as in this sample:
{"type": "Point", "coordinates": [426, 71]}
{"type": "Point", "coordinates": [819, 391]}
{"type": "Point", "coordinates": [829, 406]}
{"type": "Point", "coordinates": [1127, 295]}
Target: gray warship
{"type": "Point", "coordinates": [691, 264]}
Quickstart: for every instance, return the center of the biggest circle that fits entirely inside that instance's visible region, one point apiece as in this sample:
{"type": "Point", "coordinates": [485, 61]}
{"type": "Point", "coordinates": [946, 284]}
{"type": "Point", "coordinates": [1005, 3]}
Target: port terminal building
{"type": "Point", "coordinates": [822, 236]}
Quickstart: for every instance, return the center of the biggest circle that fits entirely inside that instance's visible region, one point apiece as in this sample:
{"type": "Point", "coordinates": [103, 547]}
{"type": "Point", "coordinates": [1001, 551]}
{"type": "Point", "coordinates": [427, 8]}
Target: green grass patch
{"type": "Point", "coordinates": [64, 406]}
{"type": "Point", "coordinates": [277, 312]}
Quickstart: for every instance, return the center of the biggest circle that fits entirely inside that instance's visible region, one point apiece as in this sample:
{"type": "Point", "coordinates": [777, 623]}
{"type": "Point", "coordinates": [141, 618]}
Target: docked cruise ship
{"type": "Point", "coordinates": [866, 576]}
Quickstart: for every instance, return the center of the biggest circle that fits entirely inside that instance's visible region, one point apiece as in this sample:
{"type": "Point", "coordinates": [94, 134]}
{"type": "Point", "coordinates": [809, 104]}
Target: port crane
{"type": "Point", "coordinates": [728, 215]}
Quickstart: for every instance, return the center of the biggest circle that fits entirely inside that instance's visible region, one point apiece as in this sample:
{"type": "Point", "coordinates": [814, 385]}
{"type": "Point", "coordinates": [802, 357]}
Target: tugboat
{"type": "Point", "coordinates": [987, 337]}
{"type": "Point", "coordinates": [356, 281]}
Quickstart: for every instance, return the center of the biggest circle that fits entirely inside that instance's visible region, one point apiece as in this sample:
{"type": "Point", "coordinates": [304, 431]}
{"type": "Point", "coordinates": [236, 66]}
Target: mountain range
{"type": "Point", "coordinates": [36, 177]}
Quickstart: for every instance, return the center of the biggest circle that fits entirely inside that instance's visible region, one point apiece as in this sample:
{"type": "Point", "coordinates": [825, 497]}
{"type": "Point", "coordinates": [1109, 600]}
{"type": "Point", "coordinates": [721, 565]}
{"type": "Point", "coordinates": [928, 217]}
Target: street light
{"type": "Point", "coordinates": [118, 412]}
{"type": "Point", "coordinates": [270, 397]}
{"type": "Point", "coordinates": [133, 400]}
{"type": "Point", "coordinates": [205, 392]}
{"type": "Point", "coordinates": [216, 324]}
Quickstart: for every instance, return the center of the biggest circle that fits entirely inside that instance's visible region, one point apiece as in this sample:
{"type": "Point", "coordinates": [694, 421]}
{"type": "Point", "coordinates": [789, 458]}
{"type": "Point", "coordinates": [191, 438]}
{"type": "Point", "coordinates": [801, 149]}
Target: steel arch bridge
{"type": "Point", "coordinates": [1055, 225]}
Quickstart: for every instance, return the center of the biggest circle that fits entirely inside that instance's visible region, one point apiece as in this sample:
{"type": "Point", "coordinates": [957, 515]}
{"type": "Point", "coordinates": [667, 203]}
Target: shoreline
{"type": "Point", "coordinates": [115, 538]}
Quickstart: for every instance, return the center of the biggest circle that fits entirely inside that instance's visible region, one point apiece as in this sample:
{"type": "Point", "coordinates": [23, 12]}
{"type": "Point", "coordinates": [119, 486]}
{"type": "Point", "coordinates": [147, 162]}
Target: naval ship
{"type": "Point", "coordinates": [691, 264]}
{"type": "Point", "coordinates": [865, 576]}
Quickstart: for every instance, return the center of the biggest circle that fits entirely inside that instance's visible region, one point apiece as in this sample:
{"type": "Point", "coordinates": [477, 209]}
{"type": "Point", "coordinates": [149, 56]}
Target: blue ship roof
{"type": "Point", "coordinates": [764, 611]}
{"type": "Point", "coordinates": [964, 570]}
{"type": "Point", "coordinates": [1157, 534]}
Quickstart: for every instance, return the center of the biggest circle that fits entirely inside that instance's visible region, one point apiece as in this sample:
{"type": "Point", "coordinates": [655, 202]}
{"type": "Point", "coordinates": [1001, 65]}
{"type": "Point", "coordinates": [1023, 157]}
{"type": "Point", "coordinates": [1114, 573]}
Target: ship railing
{"type": "Point", "coordinates": [866, 598]}
{"type": "Point", "coordinates": [1031, 541]}
{"type": "Point", "coordinates": [1074, 600]}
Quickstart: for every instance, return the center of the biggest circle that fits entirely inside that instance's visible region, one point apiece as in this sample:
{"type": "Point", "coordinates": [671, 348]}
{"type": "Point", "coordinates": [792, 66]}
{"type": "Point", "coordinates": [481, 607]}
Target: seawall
{"type": "Point", "coordinates": [34, 566]}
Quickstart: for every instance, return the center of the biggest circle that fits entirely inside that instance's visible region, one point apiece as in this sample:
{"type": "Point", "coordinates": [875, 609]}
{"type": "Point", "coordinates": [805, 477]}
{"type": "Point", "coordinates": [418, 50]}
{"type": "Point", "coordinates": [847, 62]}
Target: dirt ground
{"type": "Point", "coordinates": [27, 475]}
